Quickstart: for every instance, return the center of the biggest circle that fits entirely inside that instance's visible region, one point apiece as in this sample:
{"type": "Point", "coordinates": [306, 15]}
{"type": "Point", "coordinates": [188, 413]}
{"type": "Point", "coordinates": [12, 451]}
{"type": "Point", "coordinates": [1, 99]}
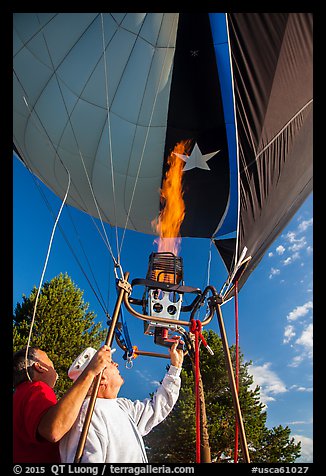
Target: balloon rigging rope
{"type": "Point", "coordinates": [32, 113]}
{"type": "Point", "coordinates": [147, 134]}
{"type": "Point", "coordinates": [97, 293]}
{"type": "Point", "coordinates": [209, 263]}
{"type": "Point", "coordinates": [106, 240]}
{"type": "Point", "coordinates": [110, 139]}
{"type": "Point", "coordinates": [42, 275]}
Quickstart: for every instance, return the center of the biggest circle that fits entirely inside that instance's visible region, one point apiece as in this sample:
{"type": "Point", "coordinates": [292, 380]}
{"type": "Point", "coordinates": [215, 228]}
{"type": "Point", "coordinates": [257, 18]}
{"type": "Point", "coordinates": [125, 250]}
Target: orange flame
{"type": "Point", "coordinates": [169, 221]}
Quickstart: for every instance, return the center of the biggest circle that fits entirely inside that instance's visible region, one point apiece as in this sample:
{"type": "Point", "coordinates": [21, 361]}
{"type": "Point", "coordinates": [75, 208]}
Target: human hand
{"type": "Point", "coordinates": [176, 355]}
{"type": "Point", "coordinates": [100, 360]}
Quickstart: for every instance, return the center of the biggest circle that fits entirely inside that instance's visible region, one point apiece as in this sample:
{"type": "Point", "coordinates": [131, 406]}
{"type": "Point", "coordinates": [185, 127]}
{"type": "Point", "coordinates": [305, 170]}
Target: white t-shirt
{"type": "Point", "coordinates": [118, 425]}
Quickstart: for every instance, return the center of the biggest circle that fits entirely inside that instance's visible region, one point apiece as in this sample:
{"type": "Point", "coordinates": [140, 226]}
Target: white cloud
{"type": "Point", "coordinates": [306, 339]}
{"type": "Point", "coordinates": [300, 388]}
{"type": "Point", "coordinates": [305, 224]}
{"type": "Point", "coordinates": [289, 333]}
{"type": "Point", "coordinates": [296, 361]}
{"type": "Point", "coordinates": [287, 261]}
{"type": "Point", "coordinates": [274, 272]}
{"type": "Point", "coordinates": [269, 382]}
{"type": "Point", "coordinates": [309, 250]}
{"type": "Point", "coordinates": [299, 311]}
{"type": "Point", "coordinates": [306, 449]}
{"type": "Point", "coordinates": [290, 237]}
{"type": "Point", "coordinates": [280, 250]}
{"type": "Point", "coordinates": [304, 345]}
{"type": "Point", "coordinates": [298, 244]}
{"type": "Point", "coordinates": [293, 244]}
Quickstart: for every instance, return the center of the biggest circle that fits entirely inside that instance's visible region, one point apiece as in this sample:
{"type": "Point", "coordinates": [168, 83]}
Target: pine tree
{"type": "Point", "coordinates": [174, 440]}
{"type": "Point", "coordinates": [63, 326]}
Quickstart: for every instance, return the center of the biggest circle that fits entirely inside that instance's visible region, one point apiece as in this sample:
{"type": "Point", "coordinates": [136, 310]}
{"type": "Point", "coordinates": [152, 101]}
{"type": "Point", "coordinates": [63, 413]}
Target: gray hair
{"type": "Point", "coordinates": [22, 370]}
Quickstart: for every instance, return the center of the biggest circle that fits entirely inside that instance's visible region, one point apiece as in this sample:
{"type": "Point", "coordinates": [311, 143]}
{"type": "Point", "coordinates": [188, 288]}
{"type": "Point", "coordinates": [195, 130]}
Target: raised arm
{"type": "Point", "coordinates": [152, 411]}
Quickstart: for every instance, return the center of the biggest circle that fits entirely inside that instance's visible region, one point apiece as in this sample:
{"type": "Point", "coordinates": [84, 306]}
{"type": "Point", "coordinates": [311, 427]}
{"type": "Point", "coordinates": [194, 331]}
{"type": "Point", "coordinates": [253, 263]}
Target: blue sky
{"type": "Point", "coordinates": [275, 304]}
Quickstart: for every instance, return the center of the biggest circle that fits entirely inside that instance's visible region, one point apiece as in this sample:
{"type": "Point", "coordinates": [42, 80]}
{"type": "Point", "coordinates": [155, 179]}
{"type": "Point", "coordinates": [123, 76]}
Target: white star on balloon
{"type": "Point", "coordinates": [196, 159]}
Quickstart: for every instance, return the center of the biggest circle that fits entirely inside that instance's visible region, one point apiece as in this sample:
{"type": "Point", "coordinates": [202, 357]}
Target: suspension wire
{"type": "Point", "coordinates": [49, 207]}
{"type": "Point", "coordinates": [104, 307]}
{"type": "Point", "coordinates": [147, 134]}
{"type": "Point", "coordinates": [209, 263]}
{"type": "Point", "coordinates": [97, 293]}
{"type": "Point", "coordinates": [76, 141]}
{"type": "Point", "coordinates": [209, 260]}
{"type": "Point", "coordinates": [95, 201]}
{"type": "Point", "coordinates": [82, 160]}
{"type": "Point", "coordinates": [32, 113]}
{"type": "Point", "coordinates": [117, 264]}
{"type": "Point", "coordinates": [42, 276]}
{"type": "Point", "coordinates": [110, 137]}
{"type": "Point", "coordinates": [47, 203]}
{"type": "Point", "coordinates": [61, 208]}
{"type": "Point", "coordinates": [52, 235]}
{"type": "Point", "coordinates": [229, 282]}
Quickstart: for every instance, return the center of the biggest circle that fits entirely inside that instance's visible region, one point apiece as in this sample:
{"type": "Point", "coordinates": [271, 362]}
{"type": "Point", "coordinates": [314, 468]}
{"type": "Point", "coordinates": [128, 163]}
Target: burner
{"type": "Point", "coordinates": [164, 267]}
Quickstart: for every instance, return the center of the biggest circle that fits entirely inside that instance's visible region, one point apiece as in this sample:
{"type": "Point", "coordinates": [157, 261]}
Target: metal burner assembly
{"type": "Point", "coordinates": [165, 268]}
{"type": "Point", "coordinates": [162, 300]}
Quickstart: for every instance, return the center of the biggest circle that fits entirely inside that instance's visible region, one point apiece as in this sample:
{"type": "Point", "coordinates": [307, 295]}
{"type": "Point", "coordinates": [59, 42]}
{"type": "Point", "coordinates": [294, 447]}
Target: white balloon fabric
{"type": "Point", "coordinates": [90, 88]}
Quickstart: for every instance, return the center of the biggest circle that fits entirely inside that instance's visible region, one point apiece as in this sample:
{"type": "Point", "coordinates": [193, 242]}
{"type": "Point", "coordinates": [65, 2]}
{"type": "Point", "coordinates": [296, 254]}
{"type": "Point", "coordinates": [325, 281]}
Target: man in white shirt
{"type": "Point", "coordinates": [118, 424]}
